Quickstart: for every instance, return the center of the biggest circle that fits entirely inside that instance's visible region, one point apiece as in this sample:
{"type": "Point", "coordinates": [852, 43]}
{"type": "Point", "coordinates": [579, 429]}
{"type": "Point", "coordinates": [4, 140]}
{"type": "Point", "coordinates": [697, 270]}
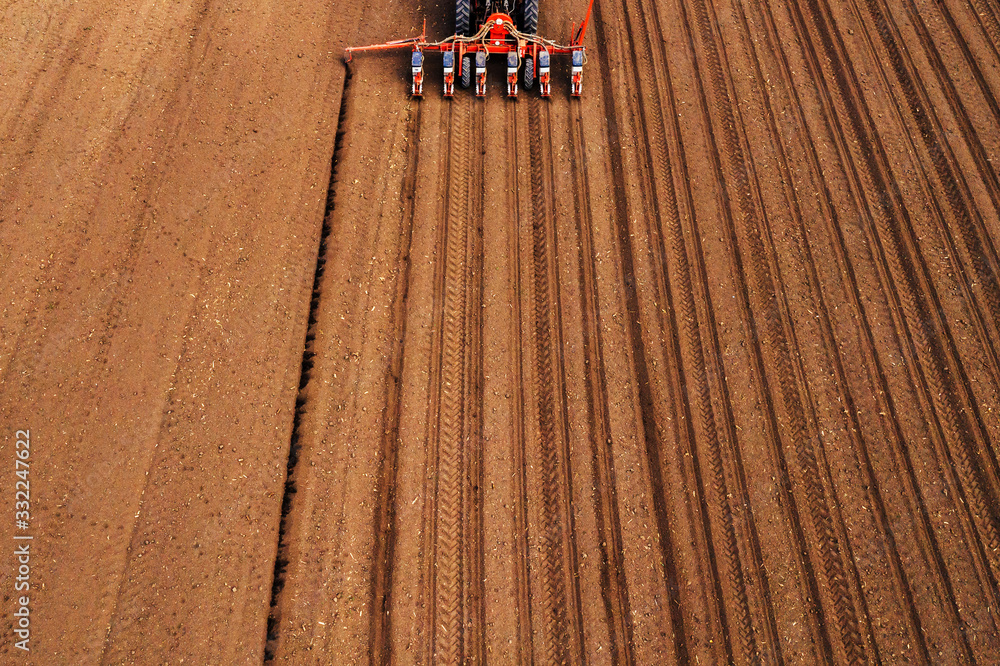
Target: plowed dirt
{"type": "Point", "coordinates": [703, 367]}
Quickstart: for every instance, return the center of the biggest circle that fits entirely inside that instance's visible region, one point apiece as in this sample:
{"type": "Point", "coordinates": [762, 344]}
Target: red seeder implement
{"type": "Point", "coordinates": [497, 34]}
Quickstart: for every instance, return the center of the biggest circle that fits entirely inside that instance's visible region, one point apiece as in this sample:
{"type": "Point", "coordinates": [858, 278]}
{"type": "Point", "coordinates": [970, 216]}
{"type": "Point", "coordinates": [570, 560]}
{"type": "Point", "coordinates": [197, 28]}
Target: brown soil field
{"type": "Point", "coordinates": [701, 368]}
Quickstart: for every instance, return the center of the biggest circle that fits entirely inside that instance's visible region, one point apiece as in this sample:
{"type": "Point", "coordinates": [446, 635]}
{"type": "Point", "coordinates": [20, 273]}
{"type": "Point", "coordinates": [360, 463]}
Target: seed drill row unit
{"type": "Point", "coordinates": [464, 54]}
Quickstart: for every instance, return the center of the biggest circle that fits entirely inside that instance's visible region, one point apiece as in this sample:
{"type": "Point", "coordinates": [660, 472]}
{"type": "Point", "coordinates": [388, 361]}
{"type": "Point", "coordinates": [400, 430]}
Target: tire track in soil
{"type": "Point", "coordinates": [873, 363]}
{"type": "Point", "coordinates": [614, 585]}
{"type": "Point", "coordinates": [978, 245]}
{"type": "Point", "coordinates": [18, 123]}
{"type": "Point", "coordinates": [839, 577]}
{"type": "Point", "coordinates": [908, 288]}
{"type": "Point", "coordinates": [522, 557]}
{"type": "Point", "coordinates": [788, 503]}
{"type": "Point", "coordinates": [986, 17]}
{"type": "Point", "coordinates": [817, 303]}
{"type": "Point", "coordinates": [887, 404]}
{"type": "Point", "coordinates": [380, 632]}
{"type": "Point", "coordinates": [454, 616]}
{"type": "Point", "coordinates": [656, 183]}
{"type": "Point", "coordinates": [166, 419]}
{"type": "Point", "coordinates": [718, 504]}
{"type": "Point", "coordinates": [973, 139]}
{"type": "Point", "coordinates": [561, 625]}
{"type": "Point", "coordinates": [666, 549]}
{"type": "Point", "coordinates": [147, 253]}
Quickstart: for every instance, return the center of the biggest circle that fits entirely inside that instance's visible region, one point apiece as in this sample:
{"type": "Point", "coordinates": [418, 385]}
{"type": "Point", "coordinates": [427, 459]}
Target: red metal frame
{"type": "Point", "coordinates": [498, 35]}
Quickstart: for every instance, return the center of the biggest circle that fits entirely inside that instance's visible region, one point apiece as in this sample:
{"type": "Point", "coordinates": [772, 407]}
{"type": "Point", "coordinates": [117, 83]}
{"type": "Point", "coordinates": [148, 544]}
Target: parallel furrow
{"type": "Point", "coordinates": [982, 255]}
{"type": "Point", "coordinates": [874, 363]}
{"type": "Point", "coordinates": [723, 504]}
{"type": "Point", "coordinates": [518, 346]}
{"type": "Point", "coordinates": [613, 581]}
{"type": "Point", "coordinates": [927, 336]}
{"type": "Point", "coordinates": [832, 559]}
{"type": "Point", "coordinates": [820, 306]}
{"type": "Point", "coordinates": [474, 594]}
{"type": "Point", "coordinates": [449, 535]}
{"type": "Point", "coordinates": [652, 73]}
{"type": "Point", "coordinates": [554, 521]}
{"type": "Point", "coordinates": [986, 16]}
{"type": "Point", "coordinates": [281, 560]}
{"type": "Point", "coordinates": [384, 537]}
{"type": "Point", "coordinates": [987, 171]}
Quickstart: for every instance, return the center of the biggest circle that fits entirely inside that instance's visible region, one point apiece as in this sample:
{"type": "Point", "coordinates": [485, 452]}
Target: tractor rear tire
{"type": "Point", "coordinates": [529, 16]}
{"type": "Point", "coordinates": [466, 80]}
{"type": "Point", "coordinates": [529, 72]}
{"type": "Point", "coordinates": [463, 12]}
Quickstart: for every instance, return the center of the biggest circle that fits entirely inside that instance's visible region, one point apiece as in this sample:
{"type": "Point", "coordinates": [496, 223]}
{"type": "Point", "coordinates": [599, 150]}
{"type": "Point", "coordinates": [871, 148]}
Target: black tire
{"type": "Point", "coordinates": [466, 80]}
{"type": "Point", "coordinates": [529, 72]}
{"type": "Point", "coordinates": [463, 11]}
{"type": "Point", "coordinates": [529, 16]}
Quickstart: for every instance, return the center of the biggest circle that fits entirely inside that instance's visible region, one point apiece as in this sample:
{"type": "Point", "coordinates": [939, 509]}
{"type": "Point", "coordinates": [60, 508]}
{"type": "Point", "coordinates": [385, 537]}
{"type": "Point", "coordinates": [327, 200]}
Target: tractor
{"type": "Point", "coordinates": [492, 27]}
